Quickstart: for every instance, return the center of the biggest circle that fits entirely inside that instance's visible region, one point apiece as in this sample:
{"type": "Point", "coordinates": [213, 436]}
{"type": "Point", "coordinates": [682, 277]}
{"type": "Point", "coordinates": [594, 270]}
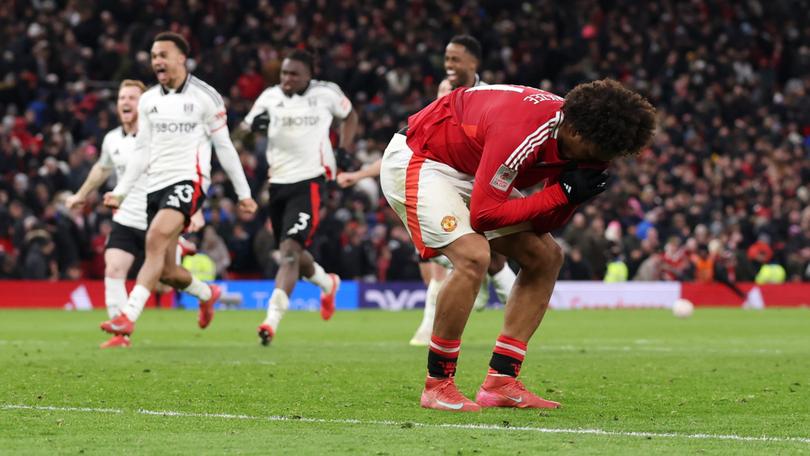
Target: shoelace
{"type": "Point", "coordinates": [517, 388]}
{"type": "Point", "coordinates": [449, 387]}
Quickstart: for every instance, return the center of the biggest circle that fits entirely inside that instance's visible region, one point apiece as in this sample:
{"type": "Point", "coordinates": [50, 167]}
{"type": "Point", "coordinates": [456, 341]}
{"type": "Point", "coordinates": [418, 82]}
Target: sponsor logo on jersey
{"type": "Point", "coordinates": [175, 127]}
{"type": "Point", "coordinates": [503, 178]}
{"type": "Point", "coordinates": [299, 121]}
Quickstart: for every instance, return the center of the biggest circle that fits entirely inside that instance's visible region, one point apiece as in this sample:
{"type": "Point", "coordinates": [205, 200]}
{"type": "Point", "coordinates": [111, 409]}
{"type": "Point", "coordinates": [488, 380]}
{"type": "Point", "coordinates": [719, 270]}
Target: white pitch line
{"type": "Point", "coordinates": [60, 409]}
{"type": "Point", "coordinates": [400, 424]}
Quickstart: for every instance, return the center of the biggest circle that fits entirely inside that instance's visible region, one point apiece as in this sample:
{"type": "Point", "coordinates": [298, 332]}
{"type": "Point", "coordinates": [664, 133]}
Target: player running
{"type": "Point", "coordinates": [127, 238]}
{"type": "Point", "coordinates": [476, 147]}
{"type": "Point", "coordinates": [462, 57]}
{"type": "Point", "coordinates": [178, 122]}
{"type": "Point", "coordinates": [296, 116]}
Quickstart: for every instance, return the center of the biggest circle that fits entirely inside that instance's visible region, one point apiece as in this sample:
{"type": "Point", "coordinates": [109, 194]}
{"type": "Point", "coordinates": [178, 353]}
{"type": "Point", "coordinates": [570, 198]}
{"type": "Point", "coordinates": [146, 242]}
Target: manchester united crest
{"type": "Point", "coordinates": [449, 223]}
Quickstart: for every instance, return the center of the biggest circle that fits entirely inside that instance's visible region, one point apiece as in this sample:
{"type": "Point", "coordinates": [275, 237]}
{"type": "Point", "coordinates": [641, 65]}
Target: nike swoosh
{"type": "Point", "coordinates": [516, 400]}
{"type": "Point", "coordinates": [449, 405]}
{"type": "Point", "coordinates": [115, 327]}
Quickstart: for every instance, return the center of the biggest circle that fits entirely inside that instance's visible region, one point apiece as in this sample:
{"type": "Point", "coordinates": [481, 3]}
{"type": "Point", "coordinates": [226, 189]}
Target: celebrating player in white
{"type": "Point", "coordinates": [128, 235]}
{"type": "Point", "coordinates": [178, 121]}
{"type": "Point", "coordinates": [297, 115]}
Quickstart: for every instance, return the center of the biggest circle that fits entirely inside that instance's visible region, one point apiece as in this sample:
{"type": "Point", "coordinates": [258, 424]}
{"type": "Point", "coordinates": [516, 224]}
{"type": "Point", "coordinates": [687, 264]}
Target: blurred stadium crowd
{"type": "Point", "coordinates": [723, 190]}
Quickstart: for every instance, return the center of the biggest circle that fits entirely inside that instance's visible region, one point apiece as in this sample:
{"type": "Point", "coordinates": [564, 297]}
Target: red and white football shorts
{"type": "Point", "coordinates": [431, 198]}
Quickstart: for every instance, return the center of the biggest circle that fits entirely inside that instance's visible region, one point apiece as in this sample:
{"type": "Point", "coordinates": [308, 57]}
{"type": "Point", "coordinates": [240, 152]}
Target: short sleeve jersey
{"type": "Point", "coordinates": [116, 150]}
{"type": "Point", "coordinates": [298, 146]}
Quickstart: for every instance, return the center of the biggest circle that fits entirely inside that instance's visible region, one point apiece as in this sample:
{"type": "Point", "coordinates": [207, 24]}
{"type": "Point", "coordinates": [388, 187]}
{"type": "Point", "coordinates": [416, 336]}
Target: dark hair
{"type": "Point", "coordinates": [617, 120]}
{"type": "Point", "coordinates": [470, 44]}
{"type": "Point", "coordinates": [304, 57]}
{"type": "Point", "coordinates": [175, 38]}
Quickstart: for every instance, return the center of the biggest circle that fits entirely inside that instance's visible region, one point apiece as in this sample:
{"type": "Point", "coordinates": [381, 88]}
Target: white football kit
{"type": "Point", "coordinates": [117, 150]}
{"type": "Point", "coordinates": [298, 146]}
{"type": "Point", "coordinates": [176, 129]}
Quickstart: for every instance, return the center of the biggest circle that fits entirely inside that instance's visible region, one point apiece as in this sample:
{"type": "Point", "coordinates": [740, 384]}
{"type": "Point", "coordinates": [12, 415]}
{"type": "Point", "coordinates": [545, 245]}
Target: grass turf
{"type": "Point", "coordinates": [723, 372]}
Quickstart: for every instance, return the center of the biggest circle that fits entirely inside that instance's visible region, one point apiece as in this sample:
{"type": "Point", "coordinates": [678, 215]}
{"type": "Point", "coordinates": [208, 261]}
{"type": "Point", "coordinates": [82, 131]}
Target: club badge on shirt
{"type": "Point", "coordinates": [503, 178]}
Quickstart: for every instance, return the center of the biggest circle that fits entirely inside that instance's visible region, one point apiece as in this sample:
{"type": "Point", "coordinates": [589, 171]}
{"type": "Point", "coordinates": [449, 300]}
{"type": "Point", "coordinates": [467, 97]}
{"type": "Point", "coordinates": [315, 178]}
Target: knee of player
{"type": "Point", "coordinates": [496, 264]}
{"type": "Point", "coordinates": [544, 255]}
{"type": "Point", "coordinates": [115, 271]}
{"type": "Point", "coordinates": [156, 240]}
{"type": "Point", "coordinates": [290, 256]}
{"type": "Point", "coordinates": [474, 262]}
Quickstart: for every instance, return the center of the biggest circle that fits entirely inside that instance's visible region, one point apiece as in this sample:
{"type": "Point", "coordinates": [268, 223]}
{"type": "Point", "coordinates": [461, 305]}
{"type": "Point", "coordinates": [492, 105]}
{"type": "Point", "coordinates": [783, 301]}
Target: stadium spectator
{"type": "Point", "coordinates": [730, 81]}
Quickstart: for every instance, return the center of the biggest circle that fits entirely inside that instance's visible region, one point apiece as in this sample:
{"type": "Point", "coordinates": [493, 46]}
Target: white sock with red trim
{"type": "Point", "coordinates": [432, 294]}
{"type": "Point", "coordinates": [320, 278]}
{"type": "Point", "coordinates": [198, 289]}
{"type": "Point", "coordinates": [115, 295]}
{"type": "Point", "coordinates": [136, 302]}
{"type": "Point", "coordinates": [276, 307]}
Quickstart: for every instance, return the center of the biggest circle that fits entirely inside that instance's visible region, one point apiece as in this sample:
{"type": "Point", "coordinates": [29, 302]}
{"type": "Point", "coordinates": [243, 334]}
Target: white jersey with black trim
{"type": "Point", "coordinates": [116, 151]}
{"type": "Point", "coordinates": [176, 129]}
{"type": "Point", "coordinates": [298, 146]}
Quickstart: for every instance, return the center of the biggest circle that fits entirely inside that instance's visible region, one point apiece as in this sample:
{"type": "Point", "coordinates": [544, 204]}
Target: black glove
{"type": "Point", "coordinates": [582, 184]}
{"type": "Point", "coordinates": [344, 160]}
{"type": "Point", "coordinates": [260, 123]}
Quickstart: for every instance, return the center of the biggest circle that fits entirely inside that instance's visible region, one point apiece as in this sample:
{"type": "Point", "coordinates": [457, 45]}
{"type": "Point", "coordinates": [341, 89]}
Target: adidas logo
{"type": "Point", "coordinates": [567, 188]}
{"type": "Point", "coordinates": [280, 104]}
{"type": "Point", "coordinates": [154, 110]}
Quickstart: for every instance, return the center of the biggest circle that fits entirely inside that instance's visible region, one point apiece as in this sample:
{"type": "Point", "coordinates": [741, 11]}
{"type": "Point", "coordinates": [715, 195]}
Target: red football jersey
{"type": "Point", "coordinates": [505, 136]}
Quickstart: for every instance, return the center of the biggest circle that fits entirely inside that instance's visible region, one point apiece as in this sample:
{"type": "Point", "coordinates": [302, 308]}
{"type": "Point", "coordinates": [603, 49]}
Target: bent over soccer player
{"type": "Point", "coordinates": [178, 121]}
{"type": "Point", "coordinates": [453, 178]}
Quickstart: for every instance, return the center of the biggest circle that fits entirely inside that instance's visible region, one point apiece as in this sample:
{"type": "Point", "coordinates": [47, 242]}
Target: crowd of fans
{"type": "Point", "coordinates": [724, 188]}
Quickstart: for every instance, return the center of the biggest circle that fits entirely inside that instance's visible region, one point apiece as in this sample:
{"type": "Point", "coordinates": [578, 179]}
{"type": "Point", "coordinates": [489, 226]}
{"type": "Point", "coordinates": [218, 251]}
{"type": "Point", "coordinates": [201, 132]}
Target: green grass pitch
{"type": "Point", "coordinates": [631, 382]}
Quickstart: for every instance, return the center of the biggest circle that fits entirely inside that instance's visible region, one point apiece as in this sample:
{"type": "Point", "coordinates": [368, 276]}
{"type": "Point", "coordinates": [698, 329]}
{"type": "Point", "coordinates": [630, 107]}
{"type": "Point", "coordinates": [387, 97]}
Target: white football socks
{"type": "Point", "coordinates": [431, 296]}
{"type": "Point", "coordinates": [503, 281]}
{"type": "Point", "coordinates": [198, 289]}
{"type": "Point", "coordinates": [115, 295]}
{"type": "Point", "coordinates": [320, 278]}
{"type": "Point", "coordinates": [136, 302]}
{"type": "Point", "coordinates": [276, 306]}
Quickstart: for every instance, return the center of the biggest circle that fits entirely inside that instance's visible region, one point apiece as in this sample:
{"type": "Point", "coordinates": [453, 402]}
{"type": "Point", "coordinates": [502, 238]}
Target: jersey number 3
{"type": "Point", "coordinates": [181, 193]}
{"type": "Point", "coordinates": [303, 220]}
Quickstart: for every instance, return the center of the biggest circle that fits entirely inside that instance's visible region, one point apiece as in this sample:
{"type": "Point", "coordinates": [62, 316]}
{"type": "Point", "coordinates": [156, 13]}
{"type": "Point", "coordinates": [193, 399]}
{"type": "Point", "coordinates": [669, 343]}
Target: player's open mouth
{"type": "Point", "coordinates": [451, 74]}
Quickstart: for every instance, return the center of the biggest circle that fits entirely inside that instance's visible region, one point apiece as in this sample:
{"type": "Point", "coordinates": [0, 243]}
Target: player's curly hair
{"type": "Point", "coordinates": [619, 121]}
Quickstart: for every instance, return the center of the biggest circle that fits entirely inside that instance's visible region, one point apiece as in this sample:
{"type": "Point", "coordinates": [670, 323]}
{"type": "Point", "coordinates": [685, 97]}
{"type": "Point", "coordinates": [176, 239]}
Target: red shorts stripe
{"type": "Point", "coordinates": [411, 200]}
{"type": "Point", "coordinates": [315, 201]}
{"type": "Point", "coordinates": [197, 186]}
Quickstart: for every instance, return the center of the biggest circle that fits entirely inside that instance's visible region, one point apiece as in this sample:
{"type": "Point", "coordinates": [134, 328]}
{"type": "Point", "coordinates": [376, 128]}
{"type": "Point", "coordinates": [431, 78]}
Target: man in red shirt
{"type": "Point", "coordinates": [453, 178]}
